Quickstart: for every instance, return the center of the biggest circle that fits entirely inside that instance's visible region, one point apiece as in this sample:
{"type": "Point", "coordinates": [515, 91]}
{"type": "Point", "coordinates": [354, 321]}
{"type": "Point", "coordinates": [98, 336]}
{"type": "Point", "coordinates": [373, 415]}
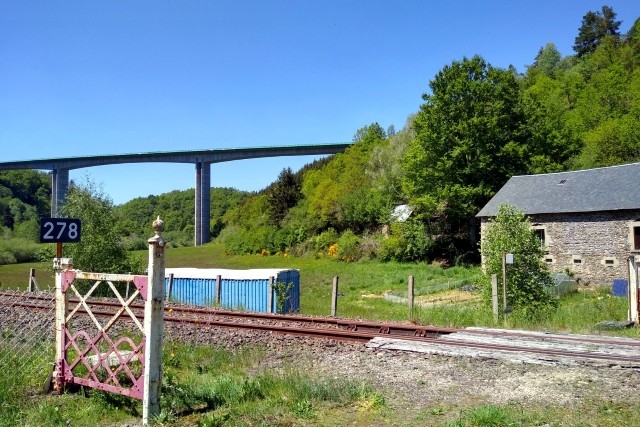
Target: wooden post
{"type": "Point", "coordinates": [153, 318]}
{"type": "Point", "coordinates": [410, 297]}
{"type": "Point", "coordinates": [169, 287]}
{"type": "Point", "coordinates": [33, 283]}
{"type": "Point", "coordinates": [218, 289]}
{"type": "Point", "coordinates": [494, 296]}
{"type": "Point", "coordinates": [334, 297]}
{"type": "Point", "coordinates": [270, 295]}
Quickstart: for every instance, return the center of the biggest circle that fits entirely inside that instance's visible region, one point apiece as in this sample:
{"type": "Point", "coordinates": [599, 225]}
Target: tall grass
{"type": "Point", "coordinates": [363, 285]}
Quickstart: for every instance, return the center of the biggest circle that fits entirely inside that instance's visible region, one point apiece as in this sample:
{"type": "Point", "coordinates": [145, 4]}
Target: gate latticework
{"type": "Point", "coordinates": [111, 349]}
{"type": "Point", "coordinates": [102, 349]}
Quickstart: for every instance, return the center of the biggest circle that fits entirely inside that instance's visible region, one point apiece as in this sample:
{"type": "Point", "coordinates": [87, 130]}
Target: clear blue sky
{"type": "Point", "coordinates": [109, 77]}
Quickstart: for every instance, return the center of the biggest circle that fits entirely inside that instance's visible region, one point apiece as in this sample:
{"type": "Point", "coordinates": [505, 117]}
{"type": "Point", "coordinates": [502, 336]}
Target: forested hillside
{"type": "Point", "coordinates": [24, 198]}
{"type": "Point", "coordinates": [478, 126]}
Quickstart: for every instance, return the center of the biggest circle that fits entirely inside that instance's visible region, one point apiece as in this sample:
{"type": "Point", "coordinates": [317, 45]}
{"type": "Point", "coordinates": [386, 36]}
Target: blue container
{"type": "Point", "coordinates": [620, 287]}
{"type": "Point", "coordinates": [248, 290]}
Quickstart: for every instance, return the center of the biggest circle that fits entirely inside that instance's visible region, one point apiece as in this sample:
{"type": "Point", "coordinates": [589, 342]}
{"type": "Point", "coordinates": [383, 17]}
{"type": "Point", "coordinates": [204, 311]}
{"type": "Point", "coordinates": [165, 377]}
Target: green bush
{"type": "Point", "coordinates": [407, 242]}
{"type": "Point", "coordinates": [510, 232]}
{"type": "Point", "coordinates": [18, 250]}
{"type": "Point", "coordinates": [349, 247]}
{"type": "Point", "coordinates": [325, 239]}
{"type": "Point", "coordinates": [240, 241]}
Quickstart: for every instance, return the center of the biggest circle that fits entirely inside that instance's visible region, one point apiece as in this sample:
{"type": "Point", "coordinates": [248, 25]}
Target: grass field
{"type": "Point", "coordinates": [371, 290]}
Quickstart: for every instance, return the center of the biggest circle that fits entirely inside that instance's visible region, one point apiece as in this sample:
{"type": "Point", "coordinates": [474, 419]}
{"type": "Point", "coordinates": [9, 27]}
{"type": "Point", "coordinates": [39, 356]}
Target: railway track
{"type": "Point", "coordinates": [403, 336]}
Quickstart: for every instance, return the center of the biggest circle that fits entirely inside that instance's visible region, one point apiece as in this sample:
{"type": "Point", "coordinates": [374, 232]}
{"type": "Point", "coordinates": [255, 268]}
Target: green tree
{"type": "Point", "coordinates": [547, 60]}
{"type": "Point", "coordinates": [595, 26]}
{"type": "Point", "coordinates": [283, 194]}
{"type": "Point", "coordinates": [100, 248]}
{"type": "Point", "coordinates": [552, 141]}
{"type": "Point", "coordinates": [332, 190]}
{"type": "Point", "coordinates": [469, 140]}
{"type": "Point", "coordinates": [510, 232]}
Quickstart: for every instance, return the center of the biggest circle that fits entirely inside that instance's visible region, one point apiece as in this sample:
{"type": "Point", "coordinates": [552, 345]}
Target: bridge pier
{"type": "Point", "coordinates": [59, 187]}
{"type": "Point", "coordinates": [203, 203]}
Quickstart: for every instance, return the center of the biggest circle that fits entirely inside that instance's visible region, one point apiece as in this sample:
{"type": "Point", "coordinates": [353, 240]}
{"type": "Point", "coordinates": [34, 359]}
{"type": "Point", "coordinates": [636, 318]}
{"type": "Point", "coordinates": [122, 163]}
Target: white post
{"type": "Point", "coordinates": [632, 291]}
{"type": "Point", "coordinates": [60, 264]}
{"type": "Point", "coordinates": [153, 318]}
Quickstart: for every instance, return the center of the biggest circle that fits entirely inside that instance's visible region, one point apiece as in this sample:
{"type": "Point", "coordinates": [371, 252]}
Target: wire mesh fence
{"type": "Point", "coordinates": [27, 341]}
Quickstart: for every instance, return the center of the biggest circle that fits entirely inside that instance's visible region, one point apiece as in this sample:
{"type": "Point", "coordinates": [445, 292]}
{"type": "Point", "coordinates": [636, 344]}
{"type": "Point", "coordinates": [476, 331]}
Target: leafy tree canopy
{"type": "Point", "coordinates": [595, 26]}
{"type": "Point", "coordinates": [100, 248]}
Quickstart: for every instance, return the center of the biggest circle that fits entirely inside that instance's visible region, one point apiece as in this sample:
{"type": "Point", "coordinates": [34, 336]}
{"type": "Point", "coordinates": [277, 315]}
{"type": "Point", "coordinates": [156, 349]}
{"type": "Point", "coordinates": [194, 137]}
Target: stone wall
{"type": "Point", "coordinates": [594, 246]}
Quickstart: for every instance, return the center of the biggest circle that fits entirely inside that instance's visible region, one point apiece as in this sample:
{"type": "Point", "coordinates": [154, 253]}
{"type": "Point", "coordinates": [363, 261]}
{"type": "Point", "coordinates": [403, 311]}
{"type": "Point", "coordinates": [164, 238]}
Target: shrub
{"type": "Point", "coordinates": [527, 277]}
{"type": "Point", "coordinates": [349, 246]}
{"type": "Point", "coordinates": [370, 246]}
{"type": "Point", "coordinates": [325, 239]}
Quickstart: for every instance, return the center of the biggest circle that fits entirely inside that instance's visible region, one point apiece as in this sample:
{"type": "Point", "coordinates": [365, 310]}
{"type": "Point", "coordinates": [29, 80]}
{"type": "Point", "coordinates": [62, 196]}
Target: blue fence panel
{"type": "Point", "coordinates": [251, 294]}
{"type": "Point", "coordinates": [292, 301]}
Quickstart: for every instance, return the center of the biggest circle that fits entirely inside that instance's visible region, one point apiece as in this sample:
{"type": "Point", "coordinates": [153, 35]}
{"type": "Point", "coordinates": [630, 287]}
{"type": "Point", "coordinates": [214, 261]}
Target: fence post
{"type": "Point", "coordinates": [410, 297]}
{"type": "Point", "coordinates": [169, 287]}
{"type": "Point", "coordinates": [60, 264]}
{"type": "Point", "coordinates": [632, 290]}
{"type": "Point", "coordinates": [153, 318]}
{"type": "Point", "coordinates": [33, 283]}
{"type": "Point", "coordinates": [494, 296]}
{"type": "Point", "coordinates": [270, 295]}
{"type": "Point", "coordinates": [218, 289]}
{"type": "Point", "coordinates": [334, 297]}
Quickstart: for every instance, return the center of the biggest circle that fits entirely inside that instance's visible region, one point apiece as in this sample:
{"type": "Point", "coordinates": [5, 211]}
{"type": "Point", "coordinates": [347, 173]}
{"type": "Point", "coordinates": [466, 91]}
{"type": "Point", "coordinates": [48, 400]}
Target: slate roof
{"type": "Point", "coordinates": [591, 190]}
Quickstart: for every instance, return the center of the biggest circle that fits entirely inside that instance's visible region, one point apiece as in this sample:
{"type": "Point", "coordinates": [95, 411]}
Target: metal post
{"type": "Point", "coordinates": [410, 297]}
{"type": "Point", "coordinates": [169, 287]}
{"type": "Point", "coordinates": [153, 318]}
{"type": "Point", "coordinates": [270, 295]}
{"type": "Point", "coordinates": [59, 264]}
{"type": "Point", "coordinates": [218, 289]}
{"type": "Point", "coordinates": [334, 297]}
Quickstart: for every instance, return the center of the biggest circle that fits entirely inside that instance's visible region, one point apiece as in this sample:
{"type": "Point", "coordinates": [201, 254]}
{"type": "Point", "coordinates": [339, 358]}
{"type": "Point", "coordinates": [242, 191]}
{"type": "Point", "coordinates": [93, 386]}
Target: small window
{"type": "Point", "coordinates": [539, 232]}
{"type": "Point", "coordinates": [609, 261]}
{"type": "Point", "coordinates": [636, 238]}
{"type": "Point", "coordinates": [548, 260]}
{"type": "Point", "coordinates": [577, 261]}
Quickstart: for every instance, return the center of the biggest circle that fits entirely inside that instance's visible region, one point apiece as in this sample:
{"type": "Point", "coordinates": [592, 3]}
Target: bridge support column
{"type": "Point", "coordinates": [59, 187]}
{"type": "Point", "coordinates": [203, 203]}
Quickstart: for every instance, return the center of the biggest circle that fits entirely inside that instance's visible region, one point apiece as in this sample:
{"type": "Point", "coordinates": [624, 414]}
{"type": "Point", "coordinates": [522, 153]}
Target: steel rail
{"type": "Point", "coordinates": [353, 325]}
{"type": "Point", "coordinates": [353, 334]}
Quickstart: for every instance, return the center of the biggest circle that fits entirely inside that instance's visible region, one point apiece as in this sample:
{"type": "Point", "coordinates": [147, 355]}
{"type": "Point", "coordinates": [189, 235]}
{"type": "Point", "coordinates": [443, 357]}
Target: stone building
{"type": "Point", "coordinates": [588, 220]}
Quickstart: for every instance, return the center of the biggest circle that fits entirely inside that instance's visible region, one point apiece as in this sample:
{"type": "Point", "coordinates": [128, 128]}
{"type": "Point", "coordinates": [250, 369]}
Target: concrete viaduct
{"type": "Point", "coordinates": [202, 160]}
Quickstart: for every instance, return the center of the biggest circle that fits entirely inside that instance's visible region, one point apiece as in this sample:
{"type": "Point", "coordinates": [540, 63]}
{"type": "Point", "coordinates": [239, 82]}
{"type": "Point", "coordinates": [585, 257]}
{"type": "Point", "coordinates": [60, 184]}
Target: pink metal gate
{"type": "Point", "coordinates": [88, 355]}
